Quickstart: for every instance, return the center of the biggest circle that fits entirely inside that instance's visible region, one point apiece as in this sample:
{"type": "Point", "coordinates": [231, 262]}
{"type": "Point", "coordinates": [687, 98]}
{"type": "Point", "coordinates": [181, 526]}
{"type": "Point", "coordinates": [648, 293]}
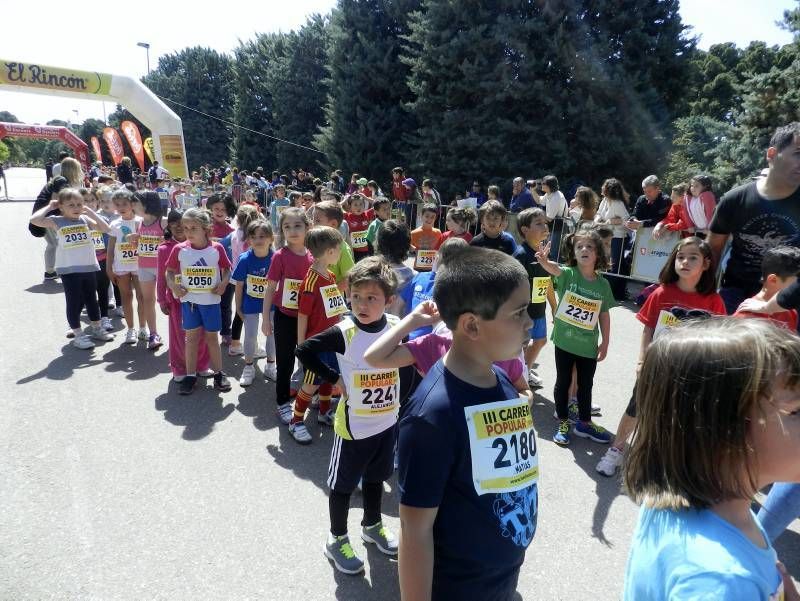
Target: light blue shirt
{"type": "Point", "coordinates": [695, 554]}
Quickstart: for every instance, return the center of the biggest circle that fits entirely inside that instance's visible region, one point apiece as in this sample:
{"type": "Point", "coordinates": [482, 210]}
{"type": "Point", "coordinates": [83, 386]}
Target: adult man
{"type": "Point", "coordinates": [521, 197]}
{"type": "Point", "coordinates": [757, 216]}
{"type": "Point", "coordinates": [155, 173]}
{"type": "Point", "coordinates": [57, 167]}
{"type": "Point", "coordinates": [651, 207]}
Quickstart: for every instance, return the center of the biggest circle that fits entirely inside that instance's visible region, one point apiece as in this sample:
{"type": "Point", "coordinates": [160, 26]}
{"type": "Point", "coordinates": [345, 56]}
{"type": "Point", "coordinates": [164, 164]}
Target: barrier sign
{"type": "Point", "coordinates": [650, 255]}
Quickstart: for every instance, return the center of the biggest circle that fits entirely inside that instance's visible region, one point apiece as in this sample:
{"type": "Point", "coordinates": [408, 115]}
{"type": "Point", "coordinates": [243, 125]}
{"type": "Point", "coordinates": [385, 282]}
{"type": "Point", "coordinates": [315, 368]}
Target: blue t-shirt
{"type": "Point", "coordinates": [250, 264]}
{"type": "Point", "coordinates": [479, 540]}
{"type": "Point", "coordinates": [419, 290]}
{"type": "Point", "coordinates": [695, 554]}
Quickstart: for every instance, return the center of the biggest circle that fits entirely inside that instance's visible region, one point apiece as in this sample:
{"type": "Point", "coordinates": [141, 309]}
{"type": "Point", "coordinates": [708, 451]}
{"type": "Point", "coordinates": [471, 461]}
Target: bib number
{"type": "Point", "coordinates": [579, 311]}
{"type": "Point", "coordinates": [332, 300]}
{"type": "Point", "coordinates": [199, 279]}
{"type": "Point", "coordinates": [256, 286]}
{"type": "Point", "coordinates": [291, 293]}
{"type": "Point", "coordinates": [502, 445]}
{"type": "Point", "coordinates": [424, 259]}
{"type": "Point", "coordinates": [127, 253]}
{"type": "Point", "coordinates": [539, 288]}
{"type": "Point", "coordinates": [73, 236]}
{"type": "Point", "coordinates": [97, 240]}
{"type": "Point", "coordinates": [374, 393]}
{"type": "Point", "coordinates": [666, 320]}
{"type": "Point", "coordinates": [148, 246]}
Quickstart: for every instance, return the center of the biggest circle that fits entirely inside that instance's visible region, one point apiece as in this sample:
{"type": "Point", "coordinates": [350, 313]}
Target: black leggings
{"type": "Point", "coordinates": [80, 289]}
{"type": "Point", "coordinates": [285, 343]}
{"type": "Point", "coordinates": [101, 285]}
{"type": "Point", "coordinates": [339, 507]}
{"type": "Point", "coordinates": [236, 328]}
{"type": "Point", "coordinates": [226, 304]}
{"type": "Point", "coordinates": [585, 368]}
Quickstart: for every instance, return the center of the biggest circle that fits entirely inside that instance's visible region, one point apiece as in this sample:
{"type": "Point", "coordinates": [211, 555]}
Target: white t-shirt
{"type": "Point", "coordinates": [199, 270]}
{"type": "Point", "coordinates": [126, 257]}
{"type": "Point", "coordinates": [609, 209]}
{"type": "Point", "coordinates": [697, 212]}
{"type": "Point", "coordinates": [555, 205]}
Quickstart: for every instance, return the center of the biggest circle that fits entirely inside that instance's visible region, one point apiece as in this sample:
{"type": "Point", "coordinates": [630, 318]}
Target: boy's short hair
{"type": "Point", "coordinates": [321, 238]}
{"type": "Point", "coordinates": [397, 170]}
{"type": "Point", "coordinates": [783, 261]}
{"type": "Point", "coordinates": [429, 207]}
{"type": "Point", "coordinates": [260, 225]}
{"type": "Point", "coordinates": [373, 269]}
{"type": "Point", "coordinates": [492, 207]}
{"type": "Point", "coordinates": [449, 249]}
{"type": "Point", "coordinates": [526, 217]}
{"type": "Point", "coordinates": [493, 189]}
{"type": "Point", "coordinates": [381, 201]}
{"type": "Point", "coordinates": [277, 187]}
{"type": "Point", "coordinates": [331, 209]}
{"type": "Point", "coordinates": [294, 195]}
{"type": "Point", "coordinates": [476, 280]}
{"type": "Point", "coordinates": [394, 241]}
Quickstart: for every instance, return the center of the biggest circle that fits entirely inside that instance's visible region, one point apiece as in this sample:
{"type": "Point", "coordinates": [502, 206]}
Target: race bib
{"type": "Point", "coordinates": [291, 293]}
{"type": "Point", "coordinates": [424, 259]}
{"type": "Point", "coordinates": [358, 240]}
{"type": "Point", "coordinates": [373, 392]}
{"type": "Point", "coordinates": [97, 240]}
{"type": "Point", "coordinates": [502, 444]}
{"type": "Point", "coordinates": [198, 279]}
{"type": "Point", "coordinates": [666, 320]}
{"type": "Point", "coordinates": [187, 201]}
{"type": "Point", "coordinates": [178, 279]}
{"type": "Point", "coordinates": [579, 311]}
{"type": "Point", "coordinates": [148, 245]}
{"type": "Point", "coordinates": [127, 253]}
{"type": "Point", "coordinates": [256, 286]}
{"type": "Point", "coordinates": [539, 288]}
{"type": "Point", "coordinates": [72, 236]}
{"type": "Point", "coordinates": [332, 300]}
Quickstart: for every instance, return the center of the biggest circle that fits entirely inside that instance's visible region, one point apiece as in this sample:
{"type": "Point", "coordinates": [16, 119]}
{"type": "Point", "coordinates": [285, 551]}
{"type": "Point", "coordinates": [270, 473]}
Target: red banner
{"type": "Point", "coordinates": [114, 142]}
{"type": "Point", "coordinates": [96, 147]}
{"type": "Point", "coordinates": [135, 140]}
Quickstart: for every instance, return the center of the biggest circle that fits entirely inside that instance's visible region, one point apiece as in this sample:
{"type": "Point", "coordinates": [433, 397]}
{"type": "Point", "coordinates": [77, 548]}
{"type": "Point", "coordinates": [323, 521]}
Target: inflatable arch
{"type": "Point", "coordinates": [49, 132]}
{"type": "Point", "coordinates": [164, 124]}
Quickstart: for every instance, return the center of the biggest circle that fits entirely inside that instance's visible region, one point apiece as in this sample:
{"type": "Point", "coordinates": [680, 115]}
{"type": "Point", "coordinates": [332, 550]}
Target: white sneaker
{"type": "Point", "coordinates": [83, 342]}
{"type": "Point", "coordinates": [261, 352]}
{"type": "Point", "coordinates": [248, 373]}
{"type": "Point", "coordinates": [143, 334]}
{"type": "Point", "coordinates": [234, 350]}
{"type": "Point", "coordinates": [130, 336]}
{"type": "Point", "coordinates": [105, 323]}
{"type": "Point", "coordinates": [326, 418]}
{"type": "Point", "coordinates": [271, 371]}
{"type": "Point", "coordinates": [206, 373]}
{"type": "Point", "coordinates": [534, 379]}
{"type": "Point", "coordinates": [609, 463]}
{"type": "Point", "coordinates": [300, 433]}
{"type": "Point", "coordinates": [285, 413]}
{"type": "Point", "coordinates": [98, 333]}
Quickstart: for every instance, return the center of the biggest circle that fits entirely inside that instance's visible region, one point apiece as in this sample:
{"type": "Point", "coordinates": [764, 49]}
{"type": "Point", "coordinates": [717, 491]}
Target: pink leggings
{"type": "Point", "coordinates": [177, 343]}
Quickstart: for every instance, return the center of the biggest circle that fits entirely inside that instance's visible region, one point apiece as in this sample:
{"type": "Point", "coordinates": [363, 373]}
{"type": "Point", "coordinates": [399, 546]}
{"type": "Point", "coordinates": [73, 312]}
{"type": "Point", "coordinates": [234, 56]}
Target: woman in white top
{"type": "Point", "coordinates": [613, 211]}
{"type": "Point", "coordinates": [556, 208]}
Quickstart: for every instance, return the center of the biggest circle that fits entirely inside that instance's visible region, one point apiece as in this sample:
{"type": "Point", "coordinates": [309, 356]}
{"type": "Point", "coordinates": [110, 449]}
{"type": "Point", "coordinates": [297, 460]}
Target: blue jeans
{"type": "Point", "coordinates": [780, 509]}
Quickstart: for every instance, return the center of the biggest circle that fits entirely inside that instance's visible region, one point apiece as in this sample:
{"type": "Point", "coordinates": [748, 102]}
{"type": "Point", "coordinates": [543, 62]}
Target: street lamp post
{"type": "Point", "coordinates": [146, 47]}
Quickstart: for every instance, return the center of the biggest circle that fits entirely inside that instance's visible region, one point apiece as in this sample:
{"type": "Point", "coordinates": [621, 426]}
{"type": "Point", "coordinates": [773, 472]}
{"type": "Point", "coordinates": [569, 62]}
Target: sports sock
{"type": "Point", "coordinates": [301, 403]}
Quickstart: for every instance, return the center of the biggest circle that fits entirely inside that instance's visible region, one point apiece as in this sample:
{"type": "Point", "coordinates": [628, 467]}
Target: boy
{"type": "Point", "coordinates": [366, 417]}
{"type": "Point", "coordinates": [532, 226]}
{"type": "Point", "coordinates": [320, 306]}
{"type": "Point", "coordinates": [279, 203]}
{"type": "Point", "coordinates": [163, 195]}
{"type": "Point", "coordinates": [383, 212]}
{"type": "Point", "coordinates": [779, 269]}
{"type": "Point", "coordinates": [358, 218]}
{"type": "Point", "coordinates": [328, 212]}
{"type": "Point", "coordinates": [468, 500]}
{"type": "Point", "coordinates": [492, 216]}
{"type": "Point", "coordinates": [426, 238]}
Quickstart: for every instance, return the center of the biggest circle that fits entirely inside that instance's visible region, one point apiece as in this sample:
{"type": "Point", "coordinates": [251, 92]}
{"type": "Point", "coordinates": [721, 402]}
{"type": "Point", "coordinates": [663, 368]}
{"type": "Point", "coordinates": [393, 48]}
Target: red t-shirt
{"type": "Point", "coordinates": [786, 319]}
{"type": "Point", "coordinates": [359, 223]}
{"type": "Point", "coordinates": [669, 304]}
{"type": "Point", "coordinates": [399, 191]}
{"type": "Point", "coordinates": [288, 270]}
{"type": "Point", "coordinates": [466, 236]}
{"type": "Point", "coordinates": [315, 293]}
{"type": "Point", "coordinates": [220, 230]}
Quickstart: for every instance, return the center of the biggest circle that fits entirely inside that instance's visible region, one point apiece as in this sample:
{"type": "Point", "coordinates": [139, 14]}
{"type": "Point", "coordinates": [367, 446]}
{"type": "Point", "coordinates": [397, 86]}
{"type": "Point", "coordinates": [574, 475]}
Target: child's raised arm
{"type": "Point", "coordinates": [389, 350]}
{"type": "Point", "coordinates": [542, 256]}
{"type": "Point", "coordinates": [40, 217]}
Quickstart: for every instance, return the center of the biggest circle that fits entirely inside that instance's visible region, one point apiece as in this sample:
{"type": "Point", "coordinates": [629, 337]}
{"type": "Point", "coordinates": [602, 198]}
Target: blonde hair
{"type": "Point", "coordinates": [201, 216]}
{"type": "Point", "coordinates": [245, 215]}
{"type": "Point", "coordinates": [72, 172]}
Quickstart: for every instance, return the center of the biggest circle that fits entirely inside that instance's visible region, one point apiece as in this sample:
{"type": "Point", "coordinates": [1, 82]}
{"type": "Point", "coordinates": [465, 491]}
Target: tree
{"type": "Point", "coordinates": [5, 153]}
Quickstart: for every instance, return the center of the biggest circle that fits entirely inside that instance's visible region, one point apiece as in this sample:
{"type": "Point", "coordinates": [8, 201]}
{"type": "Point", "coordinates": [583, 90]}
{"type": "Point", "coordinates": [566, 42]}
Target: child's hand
{"type": "Point", "coordinates": [132, 238]}
{"type": "Point", "coordinates": [602, 351]}
{"type": "Point", "coordinates": [752, 305]}
{"type": "Point", "coordinates": [219, 289]}
{"type": "Point", "coordinates": [426, 314]}
{"type": "Point", "coordinates": [111, 276]}
{"type": "Point", "coordinates": [789, 589]}
{"type": "Point", "coordinates": [164, 309]}
{"type": "Point", "coordinates": [240, 314]}
{"type": "Point", "coordinates": [180, 292]}
{"type": "Point", "coordinates": [266, 326]}
{"type": "Point", "coordinates": [342, 387]}
{"type": "Point", "coordinates": [53, 204]}
{"type": "Point", "coordinates": [543, 252]}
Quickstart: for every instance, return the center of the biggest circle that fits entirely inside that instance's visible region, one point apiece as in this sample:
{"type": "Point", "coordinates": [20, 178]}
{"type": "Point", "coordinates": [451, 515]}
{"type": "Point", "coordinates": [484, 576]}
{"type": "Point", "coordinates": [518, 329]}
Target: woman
{"type": "Point", "coordinates": [124, 171]}
{"type": "Point", "coordinates": [613, 211]}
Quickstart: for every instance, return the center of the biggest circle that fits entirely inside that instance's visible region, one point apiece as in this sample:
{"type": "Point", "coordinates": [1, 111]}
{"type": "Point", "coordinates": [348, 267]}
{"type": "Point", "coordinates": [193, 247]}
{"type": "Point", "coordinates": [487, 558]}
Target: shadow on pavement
{"type": "Point", "coordinates": [198, 412]}
{"type": "Point", "coordinates": [135, 360]}
{"type": "Point", "coordinates": [63, 366]}
{"type": "Point", "coordinates": [46, 287]}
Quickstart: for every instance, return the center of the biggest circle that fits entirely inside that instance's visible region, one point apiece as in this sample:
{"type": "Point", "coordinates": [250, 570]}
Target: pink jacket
{"type": "Point", "coordinates": [164, 295]}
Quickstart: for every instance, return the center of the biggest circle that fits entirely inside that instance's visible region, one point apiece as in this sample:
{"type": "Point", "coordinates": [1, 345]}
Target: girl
{"type": "Point", "coordinates": [148, 206]}
{"type": "Point", "coordinates": [76, 261]}
{"type": "Point", "coordinates": [358, 218]}
{"type": "Point", "coordinates": [725, 426]}
{"type": "Point", "coordinates": [287, 270]}
{"type": "Point", "coordinates": [583, 208]}
{"type": "Point", "coordinates": [171, 306]}
{"type": "Point", "coordinates": [204, 271]}
{"type": "Point", "coordinates": [250, 275]}
{"type": "Point", "coordinates": [458, 222]}
{"type": "Point", "coordinates": [674, 221]}
{"type": "Point", "coordinates": [235, 244]}
{"type": "Point", "coordinates": [222, 208]}
{"type": "Point", "coordinates": [688, 289]}
{"type": "Point", "coordinates": [125, 264]}
{"type": "Point", "coordinates": [614, 212]}
{"type": "Point", "coordinates": [699, 205]}
{"type": "Point", "coordinates": [426, 238]}
{"type": "Point", "coordinates": [101, 278]}
{"type": "Point", "coordinates": [584, 301]}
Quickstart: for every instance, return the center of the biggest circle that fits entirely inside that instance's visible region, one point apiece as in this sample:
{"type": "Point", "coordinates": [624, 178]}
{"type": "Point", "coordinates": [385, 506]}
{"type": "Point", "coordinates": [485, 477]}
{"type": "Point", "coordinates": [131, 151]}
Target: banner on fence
{"type": "Point", "coordinates": [650, 255]}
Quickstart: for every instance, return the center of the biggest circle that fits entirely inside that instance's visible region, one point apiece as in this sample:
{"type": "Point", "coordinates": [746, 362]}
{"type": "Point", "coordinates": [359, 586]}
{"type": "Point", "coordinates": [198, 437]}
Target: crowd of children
{"type": "Point", "coordinates": [437, 361]}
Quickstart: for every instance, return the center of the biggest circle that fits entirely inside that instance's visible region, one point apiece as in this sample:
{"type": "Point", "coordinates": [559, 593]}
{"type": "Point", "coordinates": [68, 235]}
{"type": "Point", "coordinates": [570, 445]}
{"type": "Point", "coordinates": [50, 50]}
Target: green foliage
{"type": "Point", "coordinates": [5, 153]}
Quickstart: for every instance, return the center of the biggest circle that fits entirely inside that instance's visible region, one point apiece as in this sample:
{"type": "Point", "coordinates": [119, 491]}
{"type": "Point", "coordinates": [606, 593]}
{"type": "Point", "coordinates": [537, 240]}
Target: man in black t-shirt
{"type": "Point", "coordinates": [758, 216]}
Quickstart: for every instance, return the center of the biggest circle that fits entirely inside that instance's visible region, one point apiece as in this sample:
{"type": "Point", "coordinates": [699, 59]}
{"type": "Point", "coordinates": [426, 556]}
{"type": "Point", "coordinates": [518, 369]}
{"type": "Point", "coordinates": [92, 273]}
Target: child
{"type": "Point", "coordinates": [699, 205]}
{"type": "Point", "coordinates": [329, 212]}
{"type": "Point", "coordinates": [613, 211]}
{"type": "Point", "coordinates": [124, 268]}
{"type": "Point", "coordinates": [277, 205]}
{"type": "Point", "coordinates": [148, 206]}
{"type": "Point", "coordinates": [687, 290]}
{"type": "Point", "coordinates": [250, 275]}
{"type": "Point", "coordinates": [492, 216]}
{"type": "Point", "coordinates": [583, 208]}
{"type": "Point", "coordinates": [724, 427]}
{"type": "Point", "coordinates": [205, 270]}
{"type": "Point", "coordinates": [358, 218]}
{"type": "Point", "coordinates": [366, 417]}
{"type": "Point", "coordinates": [458, 222]}
{"type": "Point", "coordinates": [171, 306]}
{"type": "Point", "coordinates": [76, 261]}
{"type": "Point", "coordinates": [321, 305]}
{"type": "Point", "coordinates": [584, 301]}
{"type": "Point", "coordinates": [102, 283]}
{"type": "Point", "coordinates": [394, 242]}
{"type": "Point", "coordinates": [532, 226]}
{"type": "Point", "coordinates": [287, 270]}
{"type": "Point", "coordinates": [425, 239]}
{"type": "Point", "coordinates": [674, 221]}
{"type": "Point", "coordinates": [467, 448]}
{"type": "Point", "coordinates": [222, 207]}
{"type": "Point", "coordinates": [779, 269]}
{"type": "Point", "coordinates": [235, 244]}
{"type": "Point", "coordinates": [383, 212]}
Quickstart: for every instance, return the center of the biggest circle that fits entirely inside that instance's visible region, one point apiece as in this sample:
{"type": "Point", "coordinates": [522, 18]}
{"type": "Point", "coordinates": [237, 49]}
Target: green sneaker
{"type": "Point", "coordinates": [339, 551]}
{"type": "Point", "coordinates": [381, 537]}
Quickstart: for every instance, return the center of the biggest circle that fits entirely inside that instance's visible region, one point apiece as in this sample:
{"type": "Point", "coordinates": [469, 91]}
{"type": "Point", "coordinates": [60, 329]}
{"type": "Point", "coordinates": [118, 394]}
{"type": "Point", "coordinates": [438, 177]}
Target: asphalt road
{"type": "Point", "coordinates": [115, 487]}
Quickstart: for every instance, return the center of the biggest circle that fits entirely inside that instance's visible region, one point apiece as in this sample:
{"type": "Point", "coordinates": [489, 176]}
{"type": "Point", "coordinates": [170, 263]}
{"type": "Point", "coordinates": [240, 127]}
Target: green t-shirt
{"type": "Point", "coordinates": [576, 327]}
{"type": "Point", "coordinates": [373, 229]}
{"type": "Point", "coordinates": [344, 265]}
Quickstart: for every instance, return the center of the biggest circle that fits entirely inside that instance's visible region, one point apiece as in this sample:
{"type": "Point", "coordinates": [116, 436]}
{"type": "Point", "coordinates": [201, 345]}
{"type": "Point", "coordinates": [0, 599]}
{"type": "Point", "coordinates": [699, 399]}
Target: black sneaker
{"type": "Point", "coordinates": [50, 275]}
{"type": "Point", "coordinates": [187, 385]}
{"type": "Point", "coordinates": [221, 382]}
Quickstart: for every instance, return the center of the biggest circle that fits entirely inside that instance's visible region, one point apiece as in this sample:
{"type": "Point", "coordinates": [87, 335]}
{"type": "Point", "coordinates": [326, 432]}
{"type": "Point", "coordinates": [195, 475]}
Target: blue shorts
{"type": "Point", "coordinates": [208, 317]}
{"type": "Point", "coordinates": [539, 328]}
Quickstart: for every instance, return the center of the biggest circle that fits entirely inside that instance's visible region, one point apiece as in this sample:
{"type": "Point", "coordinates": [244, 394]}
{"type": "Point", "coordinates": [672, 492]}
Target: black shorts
{"type": "Point", "coordinates": [630, 410]}
{"type": "Point", "coordinates": [369, 458]}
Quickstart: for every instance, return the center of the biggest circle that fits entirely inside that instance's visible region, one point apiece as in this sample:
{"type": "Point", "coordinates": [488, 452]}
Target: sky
{"type": "Point", "coordinates": [33, 33]}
